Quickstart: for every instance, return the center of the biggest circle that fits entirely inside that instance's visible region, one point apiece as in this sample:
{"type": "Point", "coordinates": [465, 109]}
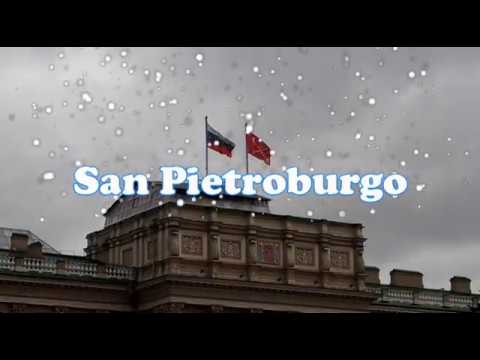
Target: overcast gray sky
{"type": "Point", "coordinates": [304, 102]}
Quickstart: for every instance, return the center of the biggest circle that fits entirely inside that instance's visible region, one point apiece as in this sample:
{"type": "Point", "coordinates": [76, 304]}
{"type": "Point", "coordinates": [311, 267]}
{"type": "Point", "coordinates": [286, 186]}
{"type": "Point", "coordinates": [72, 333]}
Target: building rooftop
{"type": "Point", "coordinates": [6, 234]}
{"type": "Point", "coordinates": [130, 205]}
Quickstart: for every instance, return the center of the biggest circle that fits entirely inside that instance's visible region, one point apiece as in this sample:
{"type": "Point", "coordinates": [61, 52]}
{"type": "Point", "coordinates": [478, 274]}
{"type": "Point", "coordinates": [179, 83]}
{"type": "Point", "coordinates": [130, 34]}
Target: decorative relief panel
{"type": "Point", "coordinates": [268, 252]}
{"type": "Point", "coordinates": [231, 249]}
{"type": "Point", "coordinates": [304, 256]}
{"type": "Point", "coordinates": [192, 245]}
{"type": "Point", "coordinates": [340, 259]}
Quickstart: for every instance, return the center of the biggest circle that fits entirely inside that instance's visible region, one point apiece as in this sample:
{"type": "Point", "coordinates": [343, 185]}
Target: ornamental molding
{"type": "Point", "coordinates": [171, 280]}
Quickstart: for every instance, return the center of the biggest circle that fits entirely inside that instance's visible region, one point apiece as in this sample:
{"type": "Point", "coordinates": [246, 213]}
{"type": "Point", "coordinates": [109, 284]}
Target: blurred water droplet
{"type": "Point", "coordinates": [87, 97]}
{"type": "Point", "coordinates": [111, 106]}
{"type": "Point", "coordinates": [420, 187]}
{"type": "Point", "coordinates": [48, 175]}
{"type": "Point", "coordinates": [119, 131]}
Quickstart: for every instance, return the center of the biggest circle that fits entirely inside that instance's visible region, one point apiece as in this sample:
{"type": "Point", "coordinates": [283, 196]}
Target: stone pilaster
{"type": "Point", "coordinates": [359, 266]}
{"type": "Point", "coordinates": [173, 241]}
{"type": "Point", "coordinates": [289, 259]}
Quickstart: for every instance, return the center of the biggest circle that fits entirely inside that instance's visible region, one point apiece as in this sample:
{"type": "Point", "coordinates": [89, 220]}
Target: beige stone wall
{"type": "Point", "coordinates": [204, 241]}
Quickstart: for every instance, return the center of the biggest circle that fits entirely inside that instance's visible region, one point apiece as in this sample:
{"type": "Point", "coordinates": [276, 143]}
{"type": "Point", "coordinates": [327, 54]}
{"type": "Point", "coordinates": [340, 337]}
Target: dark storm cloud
{"type": "Point", "coordinates": [304, 98]}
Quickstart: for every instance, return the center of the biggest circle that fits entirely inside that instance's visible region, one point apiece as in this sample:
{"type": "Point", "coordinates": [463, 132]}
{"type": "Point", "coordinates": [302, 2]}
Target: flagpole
{"type": "Point", "coordinates": [206, 145]}
{"type": "Point", "coordinates": [246, 147]}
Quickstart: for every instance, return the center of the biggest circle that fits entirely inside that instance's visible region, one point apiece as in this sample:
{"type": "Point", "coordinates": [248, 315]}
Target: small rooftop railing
{"type": "Point", "coordinates": [423, 297]}
{"type": "Point", "coordinates": [66, 267]}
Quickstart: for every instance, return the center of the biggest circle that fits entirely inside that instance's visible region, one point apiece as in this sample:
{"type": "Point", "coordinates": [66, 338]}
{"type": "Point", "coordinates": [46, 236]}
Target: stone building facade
{"type": "Point", "coordinates": [227, 254]}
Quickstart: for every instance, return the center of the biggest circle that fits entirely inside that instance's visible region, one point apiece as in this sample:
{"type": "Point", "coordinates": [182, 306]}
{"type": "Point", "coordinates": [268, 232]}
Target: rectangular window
{"type": "Point", "coordinates": [127, 257]}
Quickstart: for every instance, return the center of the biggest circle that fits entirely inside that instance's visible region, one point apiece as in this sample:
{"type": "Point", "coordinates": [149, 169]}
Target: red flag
{"type": "Point", "coordinates": [257, 148]}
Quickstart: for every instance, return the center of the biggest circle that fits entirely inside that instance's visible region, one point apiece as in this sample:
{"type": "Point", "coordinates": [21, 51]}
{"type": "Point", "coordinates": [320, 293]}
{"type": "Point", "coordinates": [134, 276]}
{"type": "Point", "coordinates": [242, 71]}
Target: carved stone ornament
{"type": "Point", "coordinates": [170, 308]}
